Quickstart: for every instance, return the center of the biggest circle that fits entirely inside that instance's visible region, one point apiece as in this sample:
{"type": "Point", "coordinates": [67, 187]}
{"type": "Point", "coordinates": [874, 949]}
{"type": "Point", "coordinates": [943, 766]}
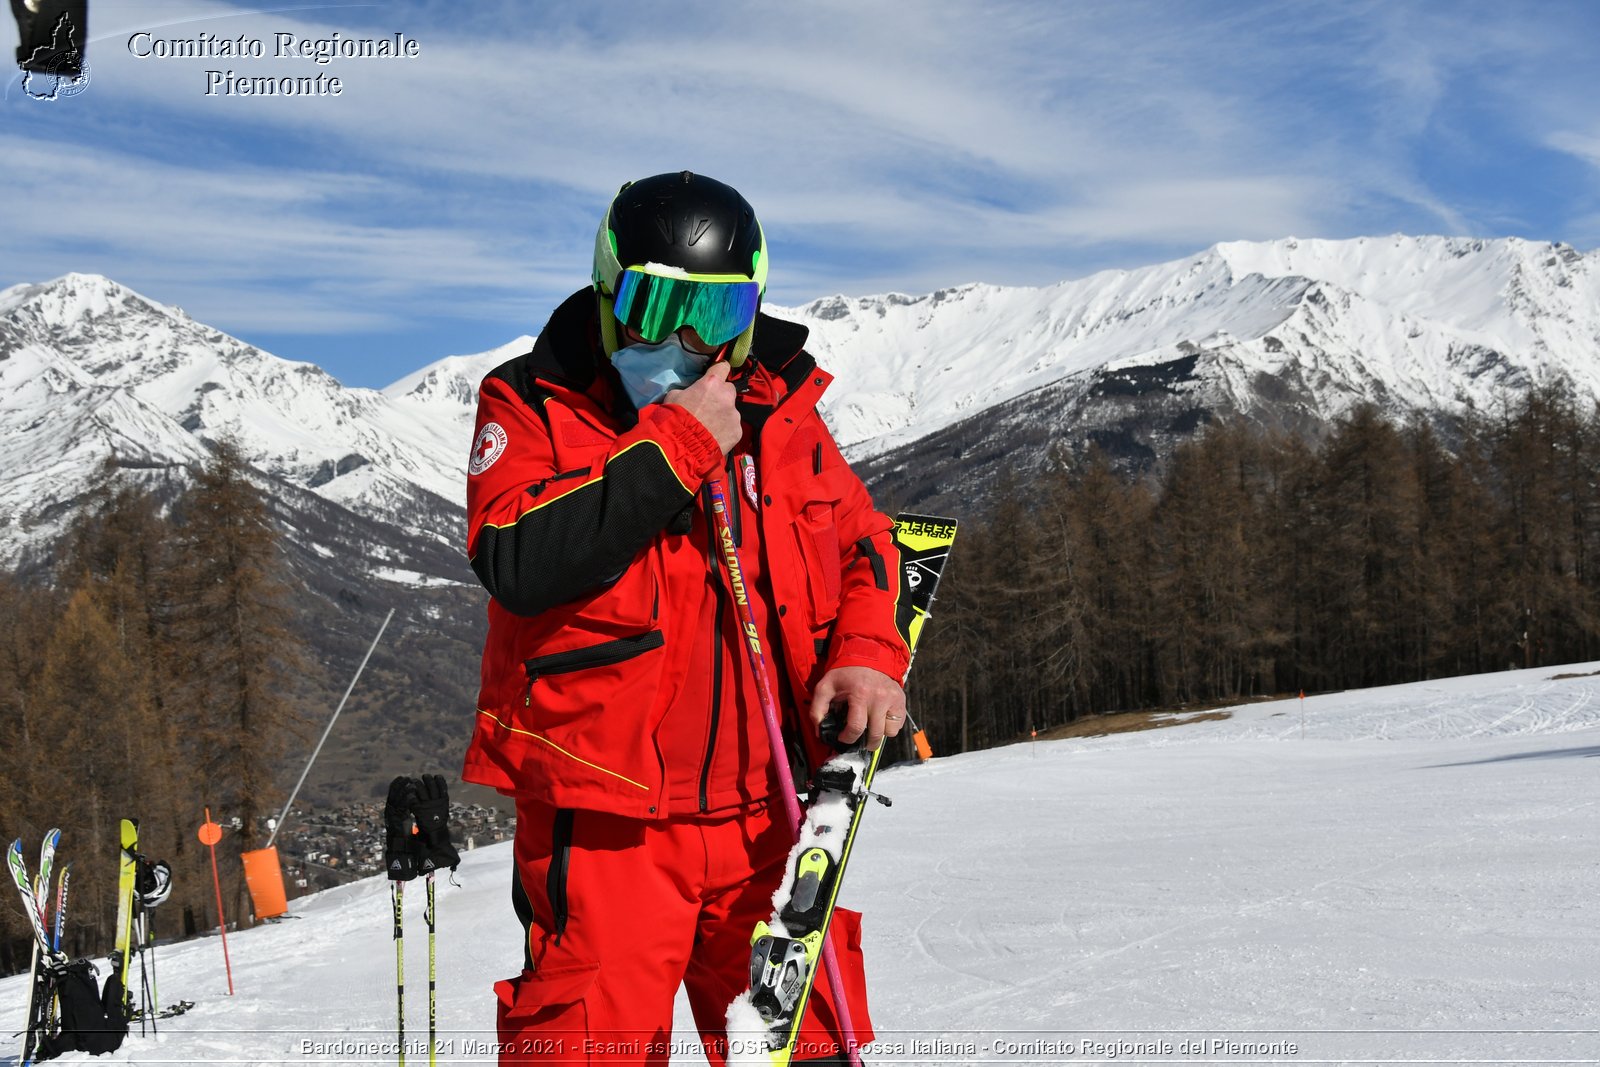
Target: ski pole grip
{"type": "Point", "coordinates": [832, 726]}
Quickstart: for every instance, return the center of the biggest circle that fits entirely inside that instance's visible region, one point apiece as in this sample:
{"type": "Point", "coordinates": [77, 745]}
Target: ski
{"type": "Point", "coordinates": [42, 1003]}
{"type": "Point", "coordinates": [43, 956]}
{"type": "Point", "coordinates": [168, 1012]}
{"type": "Point", "coordinates": [60, 931]}
{"type": "Point", "coordinates": [30, 900]}
{"type": "Point", "coordinates": [128, 836]}
{"type": "Point", "coordinates": [786, 950]}
{"type": "Point", "coordinates": [41, 882]}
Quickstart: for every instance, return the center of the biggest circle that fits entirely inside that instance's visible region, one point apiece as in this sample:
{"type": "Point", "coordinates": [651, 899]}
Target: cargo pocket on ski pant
{"type": "Point", "coordinates": [819, 1029]}
{"type": "Point", "coordinates": [542, 1016]}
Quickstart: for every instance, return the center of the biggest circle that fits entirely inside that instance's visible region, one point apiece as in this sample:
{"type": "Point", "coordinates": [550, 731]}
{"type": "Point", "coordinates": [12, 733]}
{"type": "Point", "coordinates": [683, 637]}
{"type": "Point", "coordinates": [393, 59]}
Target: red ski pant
{"type": "Point", "coordinates": [619, 912]}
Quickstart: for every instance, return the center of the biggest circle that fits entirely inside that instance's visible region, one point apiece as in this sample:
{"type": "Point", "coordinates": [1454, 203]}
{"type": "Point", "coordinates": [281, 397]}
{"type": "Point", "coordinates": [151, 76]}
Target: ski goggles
{"type": "Point", "coordinates": [656, 307]}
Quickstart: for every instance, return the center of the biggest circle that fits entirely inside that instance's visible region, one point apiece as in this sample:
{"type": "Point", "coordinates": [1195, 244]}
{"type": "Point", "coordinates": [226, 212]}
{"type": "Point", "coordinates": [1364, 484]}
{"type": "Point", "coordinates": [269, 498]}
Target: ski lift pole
{"type": "Point", "coordinates": [323, 739]}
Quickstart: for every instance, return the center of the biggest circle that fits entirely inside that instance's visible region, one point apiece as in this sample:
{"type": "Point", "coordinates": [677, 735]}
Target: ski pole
{"type": "Point", "coordinates": [717, 497]}
{"type": "Point", "coordinates": [433, 1001]}
{"type": "Point", "coordinates": [155, 991]}
{"type": "Point", "coordinates": [397, 889]}
{"type": "Point", "coordinates": [146, 1008]}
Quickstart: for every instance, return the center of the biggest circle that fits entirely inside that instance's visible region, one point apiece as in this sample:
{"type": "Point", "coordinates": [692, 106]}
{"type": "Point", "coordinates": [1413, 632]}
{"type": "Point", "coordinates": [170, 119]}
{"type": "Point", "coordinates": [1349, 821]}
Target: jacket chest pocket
{"type": "Point", "coordinates": [589, 657]}
{"type": "Point", "coordinates": [818, 534]}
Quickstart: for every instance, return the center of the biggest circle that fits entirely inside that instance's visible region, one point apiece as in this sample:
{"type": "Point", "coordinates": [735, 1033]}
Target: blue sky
{"type": "Point", "coordinates": [444, 204]}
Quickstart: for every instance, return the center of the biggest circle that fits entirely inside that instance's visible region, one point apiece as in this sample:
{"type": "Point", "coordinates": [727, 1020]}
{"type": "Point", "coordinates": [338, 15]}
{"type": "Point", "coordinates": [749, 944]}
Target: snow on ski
{"type": "Point", "coordinates": [763, 1024]}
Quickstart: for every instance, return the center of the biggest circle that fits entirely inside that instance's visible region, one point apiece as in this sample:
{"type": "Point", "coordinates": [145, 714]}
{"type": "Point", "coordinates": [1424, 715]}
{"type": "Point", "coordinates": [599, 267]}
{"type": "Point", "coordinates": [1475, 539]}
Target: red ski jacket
{"type": "Point", "coordinates": [579, 510]}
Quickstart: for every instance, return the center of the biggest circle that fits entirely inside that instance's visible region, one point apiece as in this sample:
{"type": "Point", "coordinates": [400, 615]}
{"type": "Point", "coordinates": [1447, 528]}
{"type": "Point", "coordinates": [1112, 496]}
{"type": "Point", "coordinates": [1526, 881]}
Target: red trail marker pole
{"type": "Point", "coordinates": [210, 833]}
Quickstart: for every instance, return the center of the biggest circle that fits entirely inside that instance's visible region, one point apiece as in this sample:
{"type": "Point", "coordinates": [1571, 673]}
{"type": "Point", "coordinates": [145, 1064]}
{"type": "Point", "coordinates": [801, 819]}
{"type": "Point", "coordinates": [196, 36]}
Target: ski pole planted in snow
{"type": "Point", "coordinates": [399, 859]}
{"type": "Point", "coordinates": [433, 849]}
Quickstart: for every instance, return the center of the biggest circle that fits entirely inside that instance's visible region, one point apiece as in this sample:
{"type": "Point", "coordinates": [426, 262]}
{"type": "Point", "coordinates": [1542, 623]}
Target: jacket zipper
{"type": "Point", "coordinates": [603, 654]}
{"type": "Point", "coordinates": [555, 885]}
{"type": "Point", "coordinates": [716, 696]}
{"type": "Point", "coordinates": [716, 635]}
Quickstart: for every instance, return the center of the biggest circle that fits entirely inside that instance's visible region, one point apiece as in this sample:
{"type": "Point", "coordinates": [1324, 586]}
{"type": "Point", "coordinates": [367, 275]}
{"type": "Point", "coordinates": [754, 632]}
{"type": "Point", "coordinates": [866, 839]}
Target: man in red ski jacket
{"type": "Point", "coordinates": [617, 706]}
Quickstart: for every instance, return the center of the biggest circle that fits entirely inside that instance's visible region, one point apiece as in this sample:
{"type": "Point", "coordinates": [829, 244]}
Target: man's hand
{"type": "Point", "coordinates": [876, 705]}
{"type": "Point", "coordinates": [711, 400]}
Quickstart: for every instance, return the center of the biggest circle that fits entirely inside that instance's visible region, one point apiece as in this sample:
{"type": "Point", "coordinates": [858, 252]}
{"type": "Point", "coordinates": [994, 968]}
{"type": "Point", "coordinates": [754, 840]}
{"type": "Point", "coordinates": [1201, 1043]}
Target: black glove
{"type": "Point", "coordinates": [399, 850]}
{"type": "Point", "coordinates": [430, 803]}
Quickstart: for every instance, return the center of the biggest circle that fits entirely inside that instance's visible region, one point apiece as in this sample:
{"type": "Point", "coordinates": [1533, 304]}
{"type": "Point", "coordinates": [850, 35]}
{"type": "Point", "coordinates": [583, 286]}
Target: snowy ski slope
{"type": "Point", "coordinates": [1415, 880]}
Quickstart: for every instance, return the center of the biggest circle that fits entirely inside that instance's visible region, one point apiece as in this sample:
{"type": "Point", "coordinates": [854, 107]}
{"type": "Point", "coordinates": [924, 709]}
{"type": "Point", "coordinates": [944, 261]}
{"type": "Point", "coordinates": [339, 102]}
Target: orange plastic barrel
{"type": "Point", "coordinates": [264, 877]}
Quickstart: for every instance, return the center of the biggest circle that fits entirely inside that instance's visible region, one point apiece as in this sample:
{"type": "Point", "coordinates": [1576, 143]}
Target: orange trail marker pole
{"type": "Point", "coordinates": [210, 833]}
{"type": "Point", "coordinates": [919, 739]}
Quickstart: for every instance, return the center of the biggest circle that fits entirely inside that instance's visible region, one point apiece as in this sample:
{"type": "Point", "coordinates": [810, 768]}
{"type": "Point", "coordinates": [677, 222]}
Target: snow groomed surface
{"type": "Point", "coordinates": [1415, 880]}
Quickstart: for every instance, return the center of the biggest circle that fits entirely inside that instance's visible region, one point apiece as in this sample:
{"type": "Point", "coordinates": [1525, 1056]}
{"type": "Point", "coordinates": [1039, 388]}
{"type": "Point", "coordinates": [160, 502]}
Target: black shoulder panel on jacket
{"type": "Point", "coordinates": [583, 539]}
{"type": "Point", "coordinates": [568, 348]}
{"type": "Point", "coordinates": [514, 372]}
{"type": "Point", "coordinates": [779, 346]}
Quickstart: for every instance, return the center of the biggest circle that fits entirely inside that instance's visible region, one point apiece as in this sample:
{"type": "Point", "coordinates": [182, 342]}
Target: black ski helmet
{"type": "Point", "coordinates": [678, 224]}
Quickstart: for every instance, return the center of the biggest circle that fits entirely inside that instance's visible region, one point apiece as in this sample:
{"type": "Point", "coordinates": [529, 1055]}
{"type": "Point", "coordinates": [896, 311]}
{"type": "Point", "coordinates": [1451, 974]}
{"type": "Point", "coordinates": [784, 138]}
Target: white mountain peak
{"type": "Point", "coordinates": [1413, 322]}
{"type": "Point", "coordinates": [1406, 320]}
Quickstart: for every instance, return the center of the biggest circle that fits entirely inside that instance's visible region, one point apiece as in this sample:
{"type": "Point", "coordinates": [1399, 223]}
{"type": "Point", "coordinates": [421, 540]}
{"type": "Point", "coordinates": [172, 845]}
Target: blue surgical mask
{"type": "Point", "coordinates": [649, 371]}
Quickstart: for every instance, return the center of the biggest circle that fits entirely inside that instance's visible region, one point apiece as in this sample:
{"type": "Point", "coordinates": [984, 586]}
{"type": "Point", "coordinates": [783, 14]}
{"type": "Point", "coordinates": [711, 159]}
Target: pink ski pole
{"type": "Point", "coordinates": [717, 494]}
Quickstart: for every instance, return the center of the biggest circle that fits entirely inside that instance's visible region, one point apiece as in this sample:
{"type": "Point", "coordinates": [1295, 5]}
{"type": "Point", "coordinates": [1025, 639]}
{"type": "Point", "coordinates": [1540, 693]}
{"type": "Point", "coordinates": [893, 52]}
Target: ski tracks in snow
{"type": "Point", "coordinates": [1542, 705]}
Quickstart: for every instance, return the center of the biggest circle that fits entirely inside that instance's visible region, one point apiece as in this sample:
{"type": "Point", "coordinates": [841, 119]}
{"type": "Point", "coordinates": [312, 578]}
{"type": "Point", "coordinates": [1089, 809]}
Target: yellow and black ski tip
{"type": "Point", "coordinates": [924, 543]}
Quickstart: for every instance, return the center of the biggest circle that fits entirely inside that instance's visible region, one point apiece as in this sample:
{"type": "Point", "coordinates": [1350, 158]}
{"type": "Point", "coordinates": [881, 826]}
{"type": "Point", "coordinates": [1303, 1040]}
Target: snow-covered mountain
{"type": "Point", "coordinates": [936, 395]}
{"type": "Point", "coordinates": [89, 368]}
{"type": "Point", "coordinates": [1290, 333]}
{"type": "Point", "coordinates": [1426, 323]}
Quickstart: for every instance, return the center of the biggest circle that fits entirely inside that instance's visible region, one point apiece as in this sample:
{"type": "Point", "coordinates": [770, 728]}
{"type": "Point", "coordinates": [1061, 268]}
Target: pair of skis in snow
{"type": "Point", "coordinates": [47, 957]}
{"type": "Point", "coordinates": [54, 976]}
{"type": "Point", "coordinates": [134, 934]}
{"type": "Point", "coordinates": [792, 947]}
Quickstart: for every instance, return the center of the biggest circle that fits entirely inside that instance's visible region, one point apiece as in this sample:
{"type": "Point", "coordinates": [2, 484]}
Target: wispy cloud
{"type": "Point", "coordinates": [885, 145]}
